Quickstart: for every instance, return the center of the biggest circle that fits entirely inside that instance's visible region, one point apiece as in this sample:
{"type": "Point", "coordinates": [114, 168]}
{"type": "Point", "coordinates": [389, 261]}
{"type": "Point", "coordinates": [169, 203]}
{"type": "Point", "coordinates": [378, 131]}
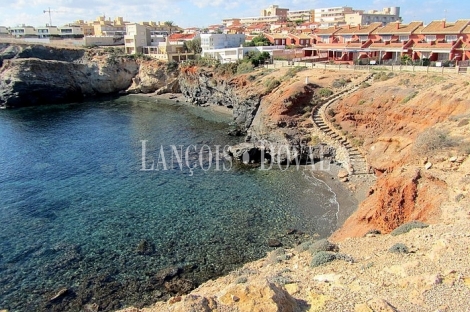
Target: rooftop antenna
{"type": "Point", "coordinates": [445, 14]}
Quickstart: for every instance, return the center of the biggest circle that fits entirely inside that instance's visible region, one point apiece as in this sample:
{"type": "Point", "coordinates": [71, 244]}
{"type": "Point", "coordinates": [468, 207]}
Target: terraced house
{"type": "Point", "coordinates": [439, 42]}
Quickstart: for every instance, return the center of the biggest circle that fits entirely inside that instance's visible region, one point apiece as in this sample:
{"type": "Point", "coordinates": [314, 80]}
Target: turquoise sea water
{"type": "Point", "coordinates": [78, 213]}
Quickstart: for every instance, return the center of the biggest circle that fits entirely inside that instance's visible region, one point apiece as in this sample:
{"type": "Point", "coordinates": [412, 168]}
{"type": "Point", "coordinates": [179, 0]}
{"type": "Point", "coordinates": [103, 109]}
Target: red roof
{"type": "Point", "coordinates": [181, 37]}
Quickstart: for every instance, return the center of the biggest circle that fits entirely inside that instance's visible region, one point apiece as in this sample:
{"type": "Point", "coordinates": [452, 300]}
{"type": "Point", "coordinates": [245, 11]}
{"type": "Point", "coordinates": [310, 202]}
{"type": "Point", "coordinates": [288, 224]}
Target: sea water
{"type": "Point", "coordinates": [81, 213]}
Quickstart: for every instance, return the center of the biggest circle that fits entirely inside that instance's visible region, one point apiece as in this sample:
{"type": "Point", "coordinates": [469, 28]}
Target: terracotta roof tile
{"type": "Point", "coordinates": [443, 27]}
{"type": "Point", "coordinates": [176, 37]}
{"type": "Point", "coordinates": [398, 28]}
{"type": "Point", "coordinates": [359, 30]}
{"type": "Point", "coordinates": [326, 31]}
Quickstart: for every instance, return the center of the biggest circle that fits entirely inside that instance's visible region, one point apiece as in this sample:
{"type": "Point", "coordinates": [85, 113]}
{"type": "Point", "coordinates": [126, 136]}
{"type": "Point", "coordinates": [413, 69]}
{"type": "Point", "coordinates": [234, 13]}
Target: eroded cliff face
{"type": "Point", "coordinates": [202, 86]}
{"type": "Point", "coordinates": [414, 131]}
{"type": "Point", "coordinates": [35, 74]}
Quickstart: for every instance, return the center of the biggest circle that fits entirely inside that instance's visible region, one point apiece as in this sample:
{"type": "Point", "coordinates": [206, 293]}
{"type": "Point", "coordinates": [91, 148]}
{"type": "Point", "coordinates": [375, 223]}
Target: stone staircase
{"type": "Point", "coordinates": [357, 161]}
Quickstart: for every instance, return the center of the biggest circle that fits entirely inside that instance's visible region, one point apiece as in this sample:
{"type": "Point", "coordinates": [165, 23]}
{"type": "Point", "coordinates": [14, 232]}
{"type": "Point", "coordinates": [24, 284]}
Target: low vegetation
{"type": "Point", "coordinates": [322, 245]}
{"type": "Point", "coordinates": [271, 85]}
{"type": "Point", "coordinates": [399, 248]}
{"type": "Point", "coordinates": [325, 92]}
{"type": "Point", "coordinates": [432, 140]}
{"type": "Point", "coordinates": [405, 228]}
{"type": "Point", "coordinates": [321, 258]}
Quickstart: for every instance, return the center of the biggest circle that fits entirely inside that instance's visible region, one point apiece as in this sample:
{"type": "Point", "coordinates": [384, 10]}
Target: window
{"type": "Point", "coordinates": [325, 39]}
{"type": "Point", "coordinates": [443, 56]}
{"type": "Point", "coordinates": [404, 38]}
{"type": "Point", "coordinates": [347, 38]}
{"type": "Point", "coordinates": [430, 38]}
{"type": "Point", "coordinates": [387, 38]}
{"type": "Point", "coordinates": [363, 38]}
{"type": "Point", "coordinates": [450, 38]}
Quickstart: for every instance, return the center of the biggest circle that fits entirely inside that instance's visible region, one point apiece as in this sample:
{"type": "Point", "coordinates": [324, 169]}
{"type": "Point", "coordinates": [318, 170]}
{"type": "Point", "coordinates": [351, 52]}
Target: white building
{"type": "Point", "coordinates": [301, 15]}
{"type": "Point", "coordinates": [230, 55]}
{"type": "Point", "coordinates": [47, 31]}
{"type": "Point", "coordinates": [71, 31]}
{"type": "Point", "coordinates": [387, 15]}
{"type": "Point", "coordinates": [23, 32]}
{"type": "Point", "coordinates": [4, 31]}
{"type": "Point", "coordinates": [328, 17]}
{"type": "Point", "coordinates": [221, 41]}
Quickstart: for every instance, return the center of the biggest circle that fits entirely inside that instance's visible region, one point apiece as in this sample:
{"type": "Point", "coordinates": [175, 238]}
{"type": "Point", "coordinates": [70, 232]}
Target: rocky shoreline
{"type": "Point", "coordinates": [414, 138]}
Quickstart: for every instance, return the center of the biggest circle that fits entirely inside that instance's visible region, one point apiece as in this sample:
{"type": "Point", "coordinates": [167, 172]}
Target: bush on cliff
{"type": "Point", "coordinates": [271, 85]}
{"type": "Point", "coordinates": [322, 245]}
{"type": "Point", "coordinates": [405, 228]}
{"type": "Point", "coordinates": [244, 68]}
{"type": "Point", "coordinates": [432, 140]}
{"type": "Point", "coordinates": [325, 92]}
{"type": "Point", "coordinates": [321, 258]}
{"type": "Point", "coordinates": [399, 248]}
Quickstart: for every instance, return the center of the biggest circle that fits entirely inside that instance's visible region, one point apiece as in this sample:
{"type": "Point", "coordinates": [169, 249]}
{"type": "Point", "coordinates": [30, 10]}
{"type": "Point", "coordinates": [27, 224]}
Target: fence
{"type": "Point", "coordinates": [392, 68]}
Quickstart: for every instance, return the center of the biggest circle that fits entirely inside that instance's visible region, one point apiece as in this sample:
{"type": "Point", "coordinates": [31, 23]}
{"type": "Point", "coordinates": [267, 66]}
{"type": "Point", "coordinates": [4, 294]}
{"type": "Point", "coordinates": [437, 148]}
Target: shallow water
{"type": "Point", "coordinates": [77, 211]}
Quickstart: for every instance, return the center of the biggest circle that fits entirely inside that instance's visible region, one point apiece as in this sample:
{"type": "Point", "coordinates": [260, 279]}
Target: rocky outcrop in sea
{"type": "Point", "coordinates": [36, 74]}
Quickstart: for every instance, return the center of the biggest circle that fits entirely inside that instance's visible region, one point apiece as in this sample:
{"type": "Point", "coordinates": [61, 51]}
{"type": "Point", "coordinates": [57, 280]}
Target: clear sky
{"type": "Point", "coordinates": [201, 13]}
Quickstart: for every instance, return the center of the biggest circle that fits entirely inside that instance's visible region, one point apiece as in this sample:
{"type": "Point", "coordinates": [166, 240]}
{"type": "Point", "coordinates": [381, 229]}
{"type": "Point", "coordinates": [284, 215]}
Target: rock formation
{"type": "Point", "coordinates": [34, 74]}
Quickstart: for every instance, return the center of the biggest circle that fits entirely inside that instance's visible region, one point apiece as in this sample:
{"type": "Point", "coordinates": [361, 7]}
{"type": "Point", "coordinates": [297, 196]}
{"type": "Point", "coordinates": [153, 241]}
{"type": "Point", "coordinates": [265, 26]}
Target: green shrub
{"type": "Point", "coordinates": [357, 142]}
{"type": "Point", "coordinates": [291, 72]}
{"type": "Point", "coordinates": [383, 76]}
{"type": "Point", "coordinates": [321, 258]}
{"type": "Point", "coordinates": [241, 280]}
{"type": "Point", "coordinates": [365, 85]}
{"type": "Point", "coordinates": [172, 66]}
{"type": "Point", "coordinates": [340, 83]}
{"type": "Point", "coordinates": [251, 77]}
{"type": "Point", "coordinates": [410, 96]}
{"type": "Point", "coordinates": [322, 245]}
{"type": "Point", "coordinates": [399, 248]}
{"type": "Point", "coordinates": [244, 68]}
{"type": "Point", "coordinates": [271, 85]}
{"type": "Point", "coordinates": [405, 228]}
{"type": "Point", "coordinates": [325, 92]}
{"type": "Point", "coordinates": [331, 112]}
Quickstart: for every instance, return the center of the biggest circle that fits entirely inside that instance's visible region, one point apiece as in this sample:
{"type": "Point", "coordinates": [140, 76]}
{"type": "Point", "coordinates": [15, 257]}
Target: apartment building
{"type": "Point", "coordinates": [330, 16]}
{"type": "Point", "coordinates": [103, 27]}
{"type": "Point", "coordinates": [275, 10]}
{"type": "Point", "coordinates": [387, 15]}
{"type": "Point", "coordinates": [300, 15]}
{"type": "Point", "coordinates": [23, 32]}
{"type": "Point", "coordinates": [221, 41]}
{"type": "Point", "coordinates": [88, 28]}
{"type": "Point", "coordinates": [137, 36]}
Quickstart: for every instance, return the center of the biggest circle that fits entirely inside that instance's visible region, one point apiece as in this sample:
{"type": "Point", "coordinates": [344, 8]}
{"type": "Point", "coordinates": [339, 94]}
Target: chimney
{"type": "Point", "coordinates": [359, 26]}
{"type": "Point", "coordinates": [398, 25]}
{"type": "Point", "coordinates": [444, 23]}
{"type": "Point", "coordinates": [349, 26]}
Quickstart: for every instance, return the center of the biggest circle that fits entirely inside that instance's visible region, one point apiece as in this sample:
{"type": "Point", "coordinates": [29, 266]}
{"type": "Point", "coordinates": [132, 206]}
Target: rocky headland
{"type": "Point", "coordinates": [36, 74]}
